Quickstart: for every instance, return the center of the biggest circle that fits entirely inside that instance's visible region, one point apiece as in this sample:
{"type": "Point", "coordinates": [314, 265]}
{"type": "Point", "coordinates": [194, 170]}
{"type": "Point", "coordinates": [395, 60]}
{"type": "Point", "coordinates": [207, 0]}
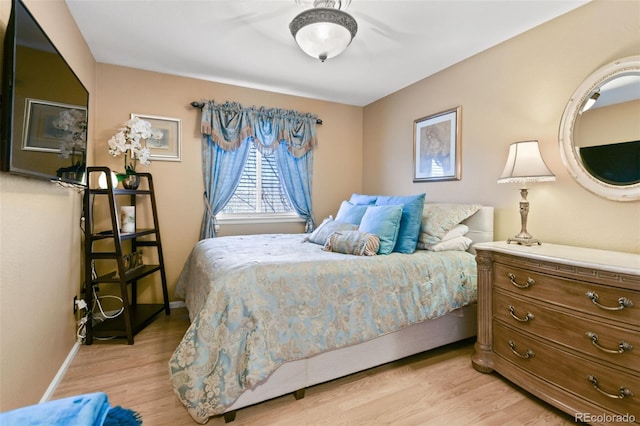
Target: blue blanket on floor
{"type": "Point", "coordinates": [83, 410]}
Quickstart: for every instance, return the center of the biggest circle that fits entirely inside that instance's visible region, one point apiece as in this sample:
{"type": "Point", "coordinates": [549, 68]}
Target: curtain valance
{"type": "Point", "coordinates": [229, 124]}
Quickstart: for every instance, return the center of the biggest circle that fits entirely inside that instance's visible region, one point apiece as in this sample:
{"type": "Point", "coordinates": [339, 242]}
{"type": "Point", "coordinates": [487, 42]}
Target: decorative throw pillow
{"type": "Point", "coordinates": [363, 199]}
{"type": "Point", "coordinates": [383, 221]}
{"type": "Point", "coordinates": [454, 244]}
{"type": "Point", "coordinates": [412, 207]}
{"type": "Point", "coordinates": [350, 213]}
{"type": "Point", "coordinates": [326, 228]}
{"type": "Point", "coordinates": [353, 242]}
{"type": "Point", "coordinates": [440, 218]}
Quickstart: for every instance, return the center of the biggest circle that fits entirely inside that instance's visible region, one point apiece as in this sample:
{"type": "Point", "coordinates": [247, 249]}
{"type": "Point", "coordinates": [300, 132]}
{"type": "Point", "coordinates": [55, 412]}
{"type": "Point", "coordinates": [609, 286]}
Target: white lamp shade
{"type": "Point", "coordinates": [525, 164]}
{"type": "Point", "coordinates": [102, 180]}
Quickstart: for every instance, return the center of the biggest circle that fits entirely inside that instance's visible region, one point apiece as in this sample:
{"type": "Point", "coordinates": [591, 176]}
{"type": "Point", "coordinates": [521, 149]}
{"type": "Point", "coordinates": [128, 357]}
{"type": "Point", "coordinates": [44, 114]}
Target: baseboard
{"type": "Point", "coordinates": [72, 353]}
{"type": "Point", "coordinates": [61, 372]}
{"type": "Point", "coordinates": [177, 304]}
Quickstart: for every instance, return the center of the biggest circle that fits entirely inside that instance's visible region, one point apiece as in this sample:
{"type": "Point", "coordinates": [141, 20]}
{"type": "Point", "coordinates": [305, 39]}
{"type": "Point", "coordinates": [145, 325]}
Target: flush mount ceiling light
{"type": "Point", "coordinates": [324, 31]}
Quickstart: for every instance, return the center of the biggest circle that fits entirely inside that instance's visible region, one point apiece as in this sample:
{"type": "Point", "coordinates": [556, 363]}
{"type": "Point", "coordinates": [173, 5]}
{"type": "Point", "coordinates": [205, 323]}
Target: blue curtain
{"type": "Point", "coordinates": [222, 171]}
{"type": "Point", "coordinates": [295, 176]}
{"type": "Point", "coordinates": [228, 130]}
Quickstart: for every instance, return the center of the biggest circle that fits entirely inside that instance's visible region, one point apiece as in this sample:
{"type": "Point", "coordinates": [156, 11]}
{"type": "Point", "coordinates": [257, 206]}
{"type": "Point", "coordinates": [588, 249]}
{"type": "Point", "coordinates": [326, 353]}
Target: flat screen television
{"type": "Point", "coordinates": [44, 106]}
{"type": "Point", "coordinates": [616, 163]}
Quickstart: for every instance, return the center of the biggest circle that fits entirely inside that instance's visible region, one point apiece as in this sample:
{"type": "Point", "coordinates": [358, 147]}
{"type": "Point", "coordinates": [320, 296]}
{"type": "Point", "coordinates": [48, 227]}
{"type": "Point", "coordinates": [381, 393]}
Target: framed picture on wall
{"type": "Point", "coordinates": [43, 129]}
{"type": "Point", "coordinates": [436, 146]}
{"type": "Point", "coordinates": [169, 147]}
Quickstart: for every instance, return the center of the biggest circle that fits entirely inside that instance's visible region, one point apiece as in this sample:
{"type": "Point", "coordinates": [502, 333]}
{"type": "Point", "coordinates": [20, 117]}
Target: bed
{"type": "Point", "coordinates": [265, 317]}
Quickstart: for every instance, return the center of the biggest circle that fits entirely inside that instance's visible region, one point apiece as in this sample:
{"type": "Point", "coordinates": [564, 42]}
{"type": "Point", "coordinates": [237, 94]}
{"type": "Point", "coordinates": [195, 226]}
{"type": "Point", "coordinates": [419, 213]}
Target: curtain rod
{"type": "Point", "coordinates": [200, 105]}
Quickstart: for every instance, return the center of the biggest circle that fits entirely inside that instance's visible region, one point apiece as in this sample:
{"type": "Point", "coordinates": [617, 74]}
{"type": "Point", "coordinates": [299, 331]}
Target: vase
{"type": "Point", "coordinates": [128, 219]}
{"type": "Point", "coordinates": [131, 182]}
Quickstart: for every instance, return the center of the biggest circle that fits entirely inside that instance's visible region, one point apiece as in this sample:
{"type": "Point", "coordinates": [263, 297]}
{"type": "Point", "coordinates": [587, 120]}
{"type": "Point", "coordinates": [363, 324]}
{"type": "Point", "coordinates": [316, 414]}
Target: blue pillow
{"type": "Point", "coordinates": [412, 207]}
{"type": "Point", "coordinates": [350, 213]}
{"type": "Point", "coordinates": [363, 199]}
{"type": "Point", "coordinates": [383, 221]}
{"type": "Point", "coordinates": [328, 227]}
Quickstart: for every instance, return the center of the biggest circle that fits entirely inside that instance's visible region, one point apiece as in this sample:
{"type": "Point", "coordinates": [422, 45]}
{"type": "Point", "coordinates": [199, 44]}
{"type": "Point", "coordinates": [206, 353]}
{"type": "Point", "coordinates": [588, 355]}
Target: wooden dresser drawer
{"type": "Point", "coordinates": [610, 388]}
{"type": "Point", "coordinates": [552, 318]}
{"type": "Point", "coordinates": [578, 295]}
{"type": "Point", "coordinates": [611, 343]}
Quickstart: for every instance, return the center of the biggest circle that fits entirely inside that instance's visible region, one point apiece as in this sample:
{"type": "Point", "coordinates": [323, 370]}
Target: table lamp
{"type": "Point", "coordinates": [524, 165]}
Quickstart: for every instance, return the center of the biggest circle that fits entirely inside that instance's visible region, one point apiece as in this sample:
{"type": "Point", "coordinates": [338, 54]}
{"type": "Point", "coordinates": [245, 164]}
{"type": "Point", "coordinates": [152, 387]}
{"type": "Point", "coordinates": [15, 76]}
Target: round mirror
{"type": "Point", "coordinates": [600, 131]}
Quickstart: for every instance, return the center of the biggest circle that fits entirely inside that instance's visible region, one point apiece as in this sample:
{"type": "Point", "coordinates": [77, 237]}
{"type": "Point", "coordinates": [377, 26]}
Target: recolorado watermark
{"type": "Point", "coordinates": [604, 418]}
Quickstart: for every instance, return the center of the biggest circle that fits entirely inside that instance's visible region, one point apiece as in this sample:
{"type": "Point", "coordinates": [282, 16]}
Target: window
{"type": "Point", "coordinates": [259, 192]}
{"type": "Point", "coordinates": [436, 167]}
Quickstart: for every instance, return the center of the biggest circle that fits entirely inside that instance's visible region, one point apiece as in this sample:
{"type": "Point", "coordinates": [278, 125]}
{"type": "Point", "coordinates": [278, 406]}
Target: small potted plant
{"type": "Point", "coordinates": [128, 141]}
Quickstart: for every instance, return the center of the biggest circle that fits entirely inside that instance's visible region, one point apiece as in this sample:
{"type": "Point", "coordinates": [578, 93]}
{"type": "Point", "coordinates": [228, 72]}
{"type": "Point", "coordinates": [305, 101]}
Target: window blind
{"type": "Point", "coordinates": [259, 190]}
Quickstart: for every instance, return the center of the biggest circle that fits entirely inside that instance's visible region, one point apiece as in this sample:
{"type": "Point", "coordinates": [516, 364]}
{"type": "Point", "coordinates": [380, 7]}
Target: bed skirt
{"type": "Point", "coordinates": [293, 376]}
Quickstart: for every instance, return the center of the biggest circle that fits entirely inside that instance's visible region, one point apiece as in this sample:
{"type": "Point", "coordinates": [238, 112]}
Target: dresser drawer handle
{"type": "Point", "coordinates": [527, 355]}
{"type": "Point", "coordinates": [622, 346]}
{"type": "Point", "coordinates": [528, 317]}
{"type": "Point", "coordinates": [512, 277]}
{"type": "Point", "coordinates": [623, 302]}
{"type": "Point", "coordinates": [622, 392]}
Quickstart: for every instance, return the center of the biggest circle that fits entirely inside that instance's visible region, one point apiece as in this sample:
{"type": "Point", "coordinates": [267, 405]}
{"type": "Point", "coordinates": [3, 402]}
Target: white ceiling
{"type": "Point", "coordinates": [247, 42]}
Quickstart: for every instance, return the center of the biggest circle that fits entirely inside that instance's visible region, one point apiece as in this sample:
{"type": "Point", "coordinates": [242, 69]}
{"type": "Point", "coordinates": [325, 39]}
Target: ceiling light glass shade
{"type": "Point", "coordinates": [525, 164]}
{"type": "Point", "coordinates": [323, 33]}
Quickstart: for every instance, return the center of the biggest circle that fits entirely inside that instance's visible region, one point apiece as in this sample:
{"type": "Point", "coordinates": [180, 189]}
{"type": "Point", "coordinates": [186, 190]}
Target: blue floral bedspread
{"type": "Point", "coordinates": [259, 301]}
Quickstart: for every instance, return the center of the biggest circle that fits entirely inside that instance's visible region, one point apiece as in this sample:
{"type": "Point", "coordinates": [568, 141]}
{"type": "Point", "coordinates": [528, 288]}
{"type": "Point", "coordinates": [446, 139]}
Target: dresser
{"type": "Point", "coordinates": [563, 323]}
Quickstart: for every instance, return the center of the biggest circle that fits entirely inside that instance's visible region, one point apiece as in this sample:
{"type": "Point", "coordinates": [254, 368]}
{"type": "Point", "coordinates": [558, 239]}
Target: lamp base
{"type": "Point", "coordinates": [524, 238]}
{"type": "Point", "coordinates": [524, 241]}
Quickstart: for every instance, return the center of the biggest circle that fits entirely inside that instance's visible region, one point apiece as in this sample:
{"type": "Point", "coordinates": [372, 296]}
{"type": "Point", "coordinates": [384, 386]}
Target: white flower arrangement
{"type": "Point", "coordinates": [73, 122]}
{"type": "Point", "coordinates": [128, 141]}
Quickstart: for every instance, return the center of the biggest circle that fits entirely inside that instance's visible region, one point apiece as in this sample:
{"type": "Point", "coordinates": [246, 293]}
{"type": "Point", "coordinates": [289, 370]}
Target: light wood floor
{"type": "Point", "coordinates": [438, 387]}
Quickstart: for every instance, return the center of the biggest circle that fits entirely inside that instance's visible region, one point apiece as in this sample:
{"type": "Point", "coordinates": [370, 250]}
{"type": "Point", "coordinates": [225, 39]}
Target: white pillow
{"type": "Point", "coordinates": [460, 243]}
{"type": "Point", "coordinates": [458, 231]}
{"type": "Point", "coordinates": [440, 218]}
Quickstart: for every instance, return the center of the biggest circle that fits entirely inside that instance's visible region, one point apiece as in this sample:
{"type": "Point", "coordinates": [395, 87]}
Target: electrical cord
{"type": "Point", "coordinates": [81, 334]}
{"type": "Point", "coordinates": [76, 187]}
{"type": "Point", "coordinates": [96, 302]}
{"type": "Point", "coordinates": [82, 324]}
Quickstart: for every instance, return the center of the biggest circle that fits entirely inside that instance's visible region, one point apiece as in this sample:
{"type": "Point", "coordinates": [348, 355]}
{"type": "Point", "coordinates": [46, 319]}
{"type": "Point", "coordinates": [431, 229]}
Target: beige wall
{"type": "Point", "coordinates": [610, 124]}
{"type": "Point", "coordinates": [514, 91]}
{"type": "Point", "coordinates": [40, 247]}
{"type": "Point", "coordinates": [179, 185]}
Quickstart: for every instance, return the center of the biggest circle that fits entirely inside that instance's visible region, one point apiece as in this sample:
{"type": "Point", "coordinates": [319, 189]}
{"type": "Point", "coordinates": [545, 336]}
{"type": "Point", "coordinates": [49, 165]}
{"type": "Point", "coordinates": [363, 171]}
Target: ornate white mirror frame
{"type": "Point", "coordinates": [569, 150]}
